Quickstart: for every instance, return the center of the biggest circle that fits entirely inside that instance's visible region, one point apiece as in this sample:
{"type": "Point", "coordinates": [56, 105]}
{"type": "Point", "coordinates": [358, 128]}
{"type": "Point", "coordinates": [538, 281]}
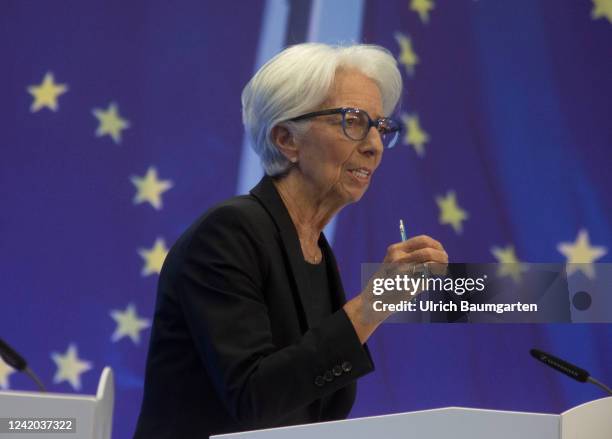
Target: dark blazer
{"type": "Point", "coordinates": [233, 344]}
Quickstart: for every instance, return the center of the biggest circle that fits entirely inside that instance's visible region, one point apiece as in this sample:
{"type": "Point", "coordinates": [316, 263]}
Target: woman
{"type": "Point", "coordinates": [251, 326]}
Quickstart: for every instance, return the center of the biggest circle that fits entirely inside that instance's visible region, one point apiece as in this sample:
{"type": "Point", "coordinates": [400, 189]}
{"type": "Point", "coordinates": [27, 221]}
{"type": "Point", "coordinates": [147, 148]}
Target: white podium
{"type": "Point", "coordinates": [93, 414]}
{"type": "Point", "coordinates": [592, 420]}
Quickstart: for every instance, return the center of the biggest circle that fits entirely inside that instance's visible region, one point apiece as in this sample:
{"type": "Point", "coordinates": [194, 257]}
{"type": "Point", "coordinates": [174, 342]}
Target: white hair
{"type": "Point", "coordinates": [298, 80]}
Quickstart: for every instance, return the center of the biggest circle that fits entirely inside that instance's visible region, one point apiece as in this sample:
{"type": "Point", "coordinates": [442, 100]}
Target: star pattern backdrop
{"type": "Point", "coordinates": [121, 124]}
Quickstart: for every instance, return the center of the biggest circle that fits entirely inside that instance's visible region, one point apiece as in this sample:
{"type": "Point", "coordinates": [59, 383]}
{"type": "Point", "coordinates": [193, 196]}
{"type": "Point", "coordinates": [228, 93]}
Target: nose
{"type": "Point", "coordinates": [372, 145]}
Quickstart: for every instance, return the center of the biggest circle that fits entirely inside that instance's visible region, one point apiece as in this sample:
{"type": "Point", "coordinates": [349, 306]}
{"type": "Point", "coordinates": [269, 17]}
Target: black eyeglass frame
{"type": "Point", "coordinates": [378, 123]}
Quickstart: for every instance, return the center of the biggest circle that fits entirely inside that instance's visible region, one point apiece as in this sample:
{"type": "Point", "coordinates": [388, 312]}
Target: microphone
{"type": "Point", "coordinates": [17, 362]}
{"type": "Point", "coordinates": [11, 357]}
{"type": "Point", "coordinates": [568, 369]}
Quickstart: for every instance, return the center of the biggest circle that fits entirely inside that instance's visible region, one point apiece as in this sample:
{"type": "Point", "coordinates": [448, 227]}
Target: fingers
{"type": "Point", "coordinates": [419, 249]}
{"type": "Point", "coordinates": [424, 255]}
{"type": "Point", "coordinates": [421, 241]}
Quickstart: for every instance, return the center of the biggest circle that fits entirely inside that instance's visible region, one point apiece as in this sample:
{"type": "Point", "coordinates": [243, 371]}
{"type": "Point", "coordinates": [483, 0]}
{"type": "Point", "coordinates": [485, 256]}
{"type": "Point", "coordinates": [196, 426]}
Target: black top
{"type": "Point", "coordinates": [239, 341]}
{"type": "Point", "coordinates": [318, 287]}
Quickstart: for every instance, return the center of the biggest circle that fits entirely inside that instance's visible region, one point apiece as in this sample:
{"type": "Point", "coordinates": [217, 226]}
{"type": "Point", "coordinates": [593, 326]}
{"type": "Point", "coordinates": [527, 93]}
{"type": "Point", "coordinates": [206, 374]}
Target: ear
{"type": "Point", "coordinates": [285, 142]}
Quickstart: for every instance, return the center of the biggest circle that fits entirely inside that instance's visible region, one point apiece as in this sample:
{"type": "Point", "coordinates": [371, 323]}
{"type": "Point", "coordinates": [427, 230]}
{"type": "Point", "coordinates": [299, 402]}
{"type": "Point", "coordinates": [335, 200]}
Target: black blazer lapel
{"type": "Point", "coordinates": [268, 196]}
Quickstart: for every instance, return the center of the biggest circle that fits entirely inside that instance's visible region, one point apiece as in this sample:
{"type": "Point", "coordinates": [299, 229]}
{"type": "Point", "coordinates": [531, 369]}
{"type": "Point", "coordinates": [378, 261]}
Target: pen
{"type": "Point", "coordinates": [423, 269]}
{"type": "Point", "coordinates": [402, 231]}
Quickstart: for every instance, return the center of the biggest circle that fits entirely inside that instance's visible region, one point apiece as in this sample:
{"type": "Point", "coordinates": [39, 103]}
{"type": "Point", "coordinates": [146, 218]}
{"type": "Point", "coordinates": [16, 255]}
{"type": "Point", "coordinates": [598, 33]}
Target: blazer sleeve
{"type": "Point", "coordinates": [220, 287]}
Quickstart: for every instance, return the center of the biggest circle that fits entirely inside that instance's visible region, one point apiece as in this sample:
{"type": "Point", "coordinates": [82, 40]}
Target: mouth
{"type": "Point", "coordinates": [361, 174]}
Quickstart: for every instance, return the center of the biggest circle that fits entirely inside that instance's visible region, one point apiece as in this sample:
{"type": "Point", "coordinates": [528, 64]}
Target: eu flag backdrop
{"type": "Point", "coordinates": [121, 124]}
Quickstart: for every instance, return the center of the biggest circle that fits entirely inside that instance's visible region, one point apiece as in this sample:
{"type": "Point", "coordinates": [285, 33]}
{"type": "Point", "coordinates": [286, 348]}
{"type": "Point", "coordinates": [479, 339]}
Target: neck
{"type": "Point", "coordinates": [309, 209]}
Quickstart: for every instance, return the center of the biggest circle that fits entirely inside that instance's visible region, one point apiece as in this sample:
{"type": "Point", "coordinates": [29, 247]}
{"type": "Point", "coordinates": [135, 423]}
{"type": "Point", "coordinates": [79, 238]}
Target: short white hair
{"type": "Point", "coordinates": [298, 80]}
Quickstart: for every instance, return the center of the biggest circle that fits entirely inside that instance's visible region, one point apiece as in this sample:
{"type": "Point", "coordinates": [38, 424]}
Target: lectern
{"type": "Point", "coordinates": [592, 420]}
{"type": "Point", "coordinates": [93, 414]}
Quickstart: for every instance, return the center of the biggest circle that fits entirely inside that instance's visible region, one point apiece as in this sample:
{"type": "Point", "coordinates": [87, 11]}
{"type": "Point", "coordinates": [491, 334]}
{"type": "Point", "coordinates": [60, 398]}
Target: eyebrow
{"type": "Point", "coordinates": [373, 116]}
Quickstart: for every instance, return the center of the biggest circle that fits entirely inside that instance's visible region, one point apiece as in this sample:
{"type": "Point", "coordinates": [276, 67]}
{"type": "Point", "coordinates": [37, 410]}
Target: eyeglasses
{"type": "Point", "coordinates": [356, 124]}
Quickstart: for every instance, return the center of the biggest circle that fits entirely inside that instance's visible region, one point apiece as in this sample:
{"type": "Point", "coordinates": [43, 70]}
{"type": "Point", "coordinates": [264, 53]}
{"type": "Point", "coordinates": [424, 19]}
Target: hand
{"type": "Point", "coordinates": [421, 255]}
{"type": "Point", "coordinates": [401, 258]}
{"type": "Point", "coordinates": [421, 249]}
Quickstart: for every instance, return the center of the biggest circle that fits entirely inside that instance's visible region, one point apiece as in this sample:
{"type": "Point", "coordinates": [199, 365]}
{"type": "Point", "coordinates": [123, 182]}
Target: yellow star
{"type": "Point", "coordinates": [154, 258]}
{"type": "Point", "coordinates": [580, 255]}
{"type": "Point", "coordinates": [70, 367]}
{"type": "Point", "coordinates": [407, 55]}
{"type": "Point", "coordinates": [128, 324]}
{"type": "Point", "coordinates": [5, 371]}
{"type": "Point", "coordinates": [509, 265]}
{"type": "Point", "coordinates": [422, 7]}
{"type": "Point", "coordinates": [150, 188]}
{"type": "Point", "coordinates": [110, 122]}
{"type": "Point", "coordinates": [450, 212]}
{"type": "Point", "coordinates": [46, 94]}
{"type": "Point", "coordinates": [415, 135]}
{"type": "Point", "coordinates": [602, 8]}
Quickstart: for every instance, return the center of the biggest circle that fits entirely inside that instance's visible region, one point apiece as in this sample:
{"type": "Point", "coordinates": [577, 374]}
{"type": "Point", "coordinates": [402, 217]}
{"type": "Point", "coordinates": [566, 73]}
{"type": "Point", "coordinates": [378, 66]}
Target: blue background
{"type": "Point", "coordinates": [515, 97]}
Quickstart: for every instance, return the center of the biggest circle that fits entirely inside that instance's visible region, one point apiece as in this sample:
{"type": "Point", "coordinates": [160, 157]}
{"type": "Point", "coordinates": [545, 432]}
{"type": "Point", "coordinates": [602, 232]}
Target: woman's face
{"type": "Point", "coordinates": [333, 164]}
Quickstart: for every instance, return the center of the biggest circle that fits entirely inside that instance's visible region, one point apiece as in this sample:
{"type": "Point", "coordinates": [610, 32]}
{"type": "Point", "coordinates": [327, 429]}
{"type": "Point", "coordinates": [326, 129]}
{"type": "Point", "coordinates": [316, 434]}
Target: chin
{"type": "Point", "coordinates": [351, 192]}
{"type": "Point", "coordinates": [355, 194]}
